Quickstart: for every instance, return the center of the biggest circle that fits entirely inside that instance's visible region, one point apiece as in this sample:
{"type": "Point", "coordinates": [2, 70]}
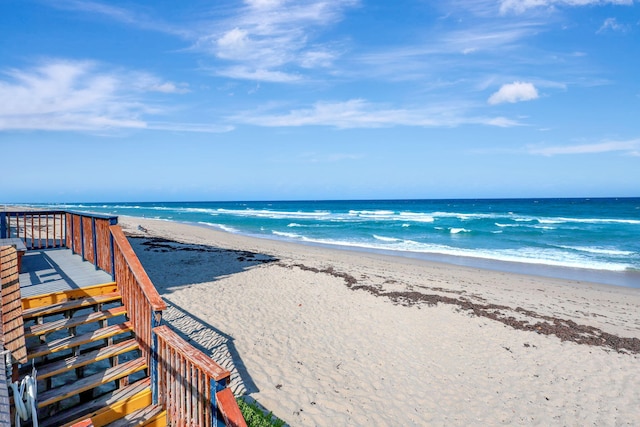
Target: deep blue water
{"type": "Point", "coordinates": [596, 239]}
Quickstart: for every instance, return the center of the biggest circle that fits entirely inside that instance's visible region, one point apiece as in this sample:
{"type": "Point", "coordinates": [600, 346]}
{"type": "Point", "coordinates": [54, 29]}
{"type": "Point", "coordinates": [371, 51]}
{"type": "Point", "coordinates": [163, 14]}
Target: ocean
{"type": "Point", "coordinates": [582, 239]}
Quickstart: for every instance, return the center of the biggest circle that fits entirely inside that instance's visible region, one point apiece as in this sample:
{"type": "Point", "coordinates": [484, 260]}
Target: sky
{"type": "Point", "coordinates": [306, 100]}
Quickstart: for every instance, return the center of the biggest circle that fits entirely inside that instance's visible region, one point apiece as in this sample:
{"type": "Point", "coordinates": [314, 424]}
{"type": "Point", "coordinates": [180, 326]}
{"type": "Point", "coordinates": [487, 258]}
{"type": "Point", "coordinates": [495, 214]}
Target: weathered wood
{"type": "Point", "coordinates": [111, 374]}
{"type": "Point", "coordinates": [150, 292]}
{"type": "Point", "coordinates": [71, 322]}
{"type": "Point", "coordinates": [153, 416]}
{"type": "Point", "coordinates": [106, 408]}
{"type": "Point", "coordinates": [84, 423]}
{"type": "Point", "coordinates": [229, 409]}
{"type": "Point", "coordinates": [203, 362]}
{"type": "Point", "coordinates": [12, 320]}
{"type": "Point", "coordinates": [62, 306]}
{"type": "Point", "coordinates": [84, 359]}
{"type": "Point", "coordinates": [75, 341]}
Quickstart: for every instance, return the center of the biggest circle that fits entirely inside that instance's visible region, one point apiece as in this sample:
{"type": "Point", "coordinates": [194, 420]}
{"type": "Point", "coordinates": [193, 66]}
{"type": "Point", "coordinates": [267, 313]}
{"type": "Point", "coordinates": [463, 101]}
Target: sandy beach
{"type": "Point", "coordinates": [325, 337]}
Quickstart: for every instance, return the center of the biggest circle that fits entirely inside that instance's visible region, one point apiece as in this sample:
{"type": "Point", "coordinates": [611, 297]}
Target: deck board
{"type": "Point", "coordinates": [54, 270]}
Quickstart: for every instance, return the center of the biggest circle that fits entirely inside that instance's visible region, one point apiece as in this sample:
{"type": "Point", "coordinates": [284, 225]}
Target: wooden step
{"type": "Point", "coordinates": [78, 340]}
{"type": "Point", "coordinates": [52, 298]}
{"type": "Point", "coordinates": [57, 325]}
{"type": "Point", "coordinates": [73, 362]}
{"type": "Point", "coordinates": [152, 415]}
{"type": "Point", "coordinates": [106, 408]}
{"type": "Point", "coordinates": [59, 307]}
{"type": "Point", "coordinates": [83, 384]}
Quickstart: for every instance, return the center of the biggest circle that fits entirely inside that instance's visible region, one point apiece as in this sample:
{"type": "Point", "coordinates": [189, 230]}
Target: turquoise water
{"type": "Point", "coordinates": [588, 239]}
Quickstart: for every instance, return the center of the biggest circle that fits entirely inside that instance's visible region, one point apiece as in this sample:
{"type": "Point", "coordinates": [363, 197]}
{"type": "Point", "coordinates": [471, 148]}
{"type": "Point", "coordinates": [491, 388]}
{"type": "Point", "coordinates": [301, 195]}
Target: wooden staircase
{"type": "Point", "coordinates": [88, 360]}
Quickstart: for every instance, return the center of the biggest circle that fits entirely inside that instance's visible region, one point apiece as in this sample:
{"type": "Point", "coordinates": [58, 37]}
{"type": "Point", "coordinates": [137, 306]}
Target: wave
{"type": "Point", "coordinates": [287, 235]}
{"type": "Point", "coordinates": [386, 239]}
{"type": "Point", "coordinates": [599, 250]}
{"type": "Point", "coordinates": [264, 213]}
{"type": "Point", "coordinates": [459, 230]}
{"type": "Point", "coordinates": [416, 217]}
{"type": "Point", "coordinates": [548, 257]}
{"type": "Point", "coordinates": [222, 227]}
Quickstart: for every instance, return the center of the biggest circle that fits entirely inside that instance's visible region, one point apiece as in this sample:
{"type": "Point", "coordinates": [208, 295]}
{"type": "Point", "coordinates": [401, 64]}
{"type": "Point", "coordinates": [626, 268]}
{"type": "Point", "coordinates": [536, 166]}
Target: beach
{"type": "Point", "coordinates": [326, 337]}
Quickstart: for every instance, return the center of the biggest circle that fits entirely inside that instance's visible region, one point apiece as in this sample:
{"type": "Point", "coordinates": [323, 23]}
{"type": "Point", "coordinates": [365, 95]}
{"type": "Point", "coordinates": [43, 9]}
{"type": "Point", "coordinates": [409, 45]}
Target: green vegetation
{"type": "Point", "coordinates": [255, 416]}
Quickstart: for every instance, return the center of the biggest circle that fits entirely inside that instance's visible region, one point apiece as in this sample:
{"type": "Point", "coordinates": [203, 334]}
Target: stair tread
{"type": "Point", "coordinates": [83, 384]}
{"type": "Point", "coordinates": [70, 304]}
{"type": "Point", "coordinates": [139, 417]}
{"type": "Point", "coordinates": [60, 324]}
{"type": "Point", "coordinates": [88, 409]}
{"type": "Point", "coordinates": [77, 340]}
{"type": "Point", "coordinates": [69, 363]}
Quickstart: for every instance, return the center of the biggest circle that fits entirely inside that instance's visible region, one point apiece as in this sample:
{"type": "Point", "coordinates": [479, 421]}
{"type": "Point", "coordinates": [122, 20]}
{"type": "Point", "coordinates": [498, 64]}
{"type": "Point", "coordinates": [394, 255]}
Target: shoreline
{"type": "Point", "coordinates": [627, 279]}
{"type": "Point", "coordinates": [329, 337]}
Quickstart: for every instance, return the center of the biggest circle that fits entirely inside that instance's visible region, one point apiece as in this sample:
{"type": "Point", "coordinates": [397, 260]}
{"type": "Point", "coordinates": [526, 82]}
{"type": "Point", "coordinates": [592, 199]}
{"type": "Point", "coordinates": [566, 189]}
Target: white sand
{"type": "Point", "coordinates": [318, 353]}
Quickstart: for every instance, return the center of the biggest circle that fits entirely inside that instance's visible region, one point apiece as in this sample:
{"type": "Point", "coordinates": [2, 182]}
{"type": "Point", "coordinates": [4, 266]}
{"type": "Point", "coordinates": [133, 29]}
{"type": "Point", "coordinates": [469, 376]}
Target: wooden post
{"type": "Point", "coordinates": [73, 234]}
{"type": "Point", "coordinates": [216, 386]}
{"type": "Point", "coordinates": [156, 320]}
{"type": "Point", "coordinates": [95, 243]}
{"type": "Point", "coordinates": [82, 237]}
{"type": "Point", "coordinates": [3, 225]}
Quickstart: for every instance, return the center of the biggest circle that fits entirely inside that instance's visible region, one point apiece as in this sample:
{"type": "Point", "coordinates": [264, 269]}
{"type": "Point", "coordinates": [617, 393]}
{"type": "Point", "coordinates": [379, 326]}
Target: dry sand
{"type": "Point", "coordinates": [326, 337]}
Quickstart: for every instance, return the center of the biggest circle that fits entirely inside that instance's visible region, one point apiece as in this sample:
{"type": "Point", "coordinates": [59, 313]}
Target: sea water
{"type": "Point", "coordinates": [584, 239]}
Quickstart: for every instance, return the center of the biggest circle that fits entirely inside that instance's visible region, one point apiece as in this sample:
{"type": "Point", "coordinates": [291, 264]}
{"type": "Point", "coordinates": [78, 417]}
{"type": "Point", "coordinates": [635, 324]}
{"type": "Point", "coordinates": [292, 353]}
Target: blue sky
{"type": "Point", "coordinates": [342, 99]}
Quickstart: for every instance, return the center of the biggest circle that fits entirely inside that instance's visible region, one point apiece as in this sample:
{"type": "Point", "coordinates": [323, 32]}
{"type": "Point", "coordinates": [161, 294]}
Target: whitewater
{"type": "Point", "coordinates": [584, 239]}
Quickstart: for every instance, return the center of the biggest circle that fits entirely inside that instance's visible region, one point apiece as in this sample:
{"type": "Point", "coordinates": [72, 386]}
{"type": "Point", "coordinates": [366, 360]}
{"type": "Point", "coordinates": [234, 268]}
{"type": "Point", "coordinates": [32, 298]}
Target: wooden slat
{"type": "Point", "coordinates": [73, 362]}
{"type": "Point", "coordinates": [63, 296]}
{"type": "Point", "coordinates": [30, 313]}
{"type": "Point", "coordinates": [106, 408]}
{"type": "Point", "coordinates": [76, 341]}
{"type": "Point", "coordinates": [84, 423]}
{"type": "Point", "coordinates": [12, 315]}
{"type": "Point", "coordinates": [150, 416]}
{"type": "Point", "coordinates": [57, 325]}
{"type": "Point", "coordinates": [195, 356]}
{"type": "Point", "coordinates": [229, 409]}
{"type": "Point", "coordinates": [112, 374]}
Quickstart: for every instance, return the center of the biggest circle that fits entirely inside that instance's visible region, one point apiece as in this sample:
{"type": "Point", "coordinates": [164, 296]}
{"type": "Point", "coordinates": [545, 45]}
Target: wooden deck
{"type": "Point", "coordinates": [53, 270]}
{"type": "Point", "coordinates": [94, 357]}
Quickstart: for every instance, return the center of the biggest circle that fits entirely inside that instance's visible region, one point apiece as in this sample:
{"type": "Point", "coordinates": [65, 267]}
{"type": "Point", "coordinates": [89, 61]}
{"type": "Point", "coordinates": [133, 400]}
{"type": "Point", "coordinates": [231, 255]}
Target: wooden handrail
{"type": "Point", "coordinates": [191, 386]}
{"type": "Point", "coordinates": [208, 366]}
{"type": "Point", "coordinates": [38, 229]}
{"type": "Point", "coordinates": [149, 291]}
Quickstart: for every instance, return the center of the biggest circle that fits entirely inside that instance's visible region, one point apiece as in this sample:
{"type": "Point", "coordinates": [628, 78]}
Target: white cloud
{"type": "Point", "coordinates": [611, 24]}
{"type": "Point", "coordinates": [630, 147]}
{"type": "Point", "coordinates": [78, 96]}
{"type": "Point", "coordinates": [514, 92]}
{"type": "Point", "coordinates": [259, 74]}
{"type": "Point", "coordinates": [358, 113]}
{"type": "Point", "coordinates": [520, 6]}
{"type": "Point", "coordinates": [267, 36]}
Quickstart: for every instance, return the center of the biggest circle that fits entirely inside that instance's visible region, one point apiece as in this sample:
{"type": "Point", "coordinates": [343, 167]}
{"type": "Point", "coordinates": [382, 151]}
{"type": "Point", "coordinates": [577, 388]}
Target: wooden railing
{"type": "Point", "coordinates": [190, 384]}
{"type": "Point", "coordinates": [144, 304]}
{"type": "Point", "coordinates": [38, 229]}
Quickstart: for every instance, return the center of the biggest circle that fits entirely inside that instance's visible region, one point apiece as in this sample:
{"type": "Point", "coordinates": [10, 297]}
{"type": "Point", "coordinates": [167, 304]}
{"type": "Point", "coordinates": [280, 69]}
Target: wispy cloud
{"type": "Point", "coordinates": [80, 96]}
{"type": "Point", "coordinates": [520, 6]}
{"type": "Point", "coordinates": [514, 92]}
{"type": "Point", "coordinates": [630, 147]}
{"type": "Point", "coordinates": [358, 113]}
{"type": "Point", "coordinates": [123, 15]}
{"type": "Point", "coordinates": [266, 38]}
{"type": "Point", "coordinates": [611, 24]}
